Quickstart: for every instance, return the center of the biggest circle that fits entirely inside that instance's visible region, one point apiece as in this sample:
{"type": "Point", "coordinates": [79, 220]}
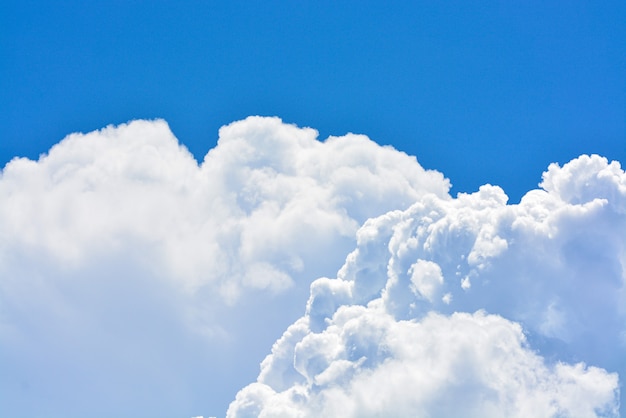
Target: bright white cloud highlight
{"type": "Point", "coordinates": [380, 340]}
{"type": "Point", "coordinates": [426, 278]}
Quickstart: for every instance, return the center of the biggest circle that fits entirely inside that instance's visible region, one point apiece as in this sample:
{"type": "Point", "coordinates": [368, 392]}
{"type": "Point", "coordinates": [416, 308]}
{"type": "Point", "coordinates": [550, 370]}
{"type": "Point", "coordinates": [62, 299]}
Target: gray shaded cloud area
{"type": "Point", "coordinates": [129, 272]}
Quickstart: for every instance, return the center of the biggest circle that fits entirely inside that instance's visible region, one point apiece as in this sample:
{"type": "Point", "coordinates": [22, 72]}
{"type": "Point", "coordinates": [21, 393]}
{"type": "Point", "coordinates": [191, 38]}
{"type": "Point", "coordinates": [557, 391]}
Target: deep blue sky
{"type": "Point", "coordinates": [484, 92]}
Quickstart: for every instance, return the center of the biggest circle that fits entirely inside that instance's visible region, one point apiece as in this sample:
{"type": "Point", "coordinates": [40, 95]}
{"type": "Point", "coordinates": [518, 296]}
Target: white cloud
{"type": "Point", "coordinates": [366, 364]}
{"type": "Point", "coordinates": [268, 193]}
{"type": "Point", "coordinates": [129, 272]}
{"type": "Point", "coordinates": [121, 257]}
{"type": "Point", "coordinates": [378, 341]}
{"type": "Point", "coordinates": [425, 279]}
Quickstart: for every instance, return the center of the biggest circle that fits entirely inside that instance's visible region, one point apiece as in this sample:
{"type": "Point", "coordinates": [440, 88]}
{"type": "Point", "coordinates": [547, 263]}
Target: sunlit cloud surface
{"type": "Point", "coordinates": [133, 273]}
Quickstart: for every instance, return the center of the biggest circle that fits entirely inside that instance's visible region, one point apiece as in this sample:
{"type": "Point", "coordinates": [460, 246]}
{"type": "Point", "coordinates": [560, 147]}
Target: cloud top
{"type": "Point", "coordinates": [250, 216]}
{"type": "Point", "coordinates": [117, 243]}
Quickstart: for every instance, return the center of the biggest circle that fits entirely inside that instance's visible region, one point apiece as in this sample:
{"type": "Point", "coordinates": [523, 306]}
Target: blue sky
{"type": "Point", "coordinates": [488, 93]}
{"type": "Point", "coordinates": [138, 279]}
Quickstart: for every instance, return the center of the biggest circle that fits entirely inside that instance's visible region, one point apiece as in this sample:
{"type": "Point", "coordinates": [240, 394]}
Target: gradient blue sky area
{"type": "Point", "coordinates": [487, 92]}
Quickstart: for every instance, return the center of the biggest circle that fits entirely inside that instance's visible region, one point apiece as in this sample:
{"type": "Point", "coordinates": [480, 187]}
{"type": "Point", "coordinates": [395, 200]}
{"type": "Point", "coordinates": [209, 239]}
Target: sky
{"type": "Point", "coordinates": [453, 83]}
{"type": "Point", "coordinates": [228, 209]}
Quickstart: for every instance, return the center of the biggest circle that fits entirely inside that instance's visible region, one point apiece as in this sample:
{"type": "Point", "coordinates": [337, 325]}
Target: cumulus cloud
{"type": "Point", "coordinates": [404, 330]}
{"type": "Point", "coordinates": [366, 364]}
{"type": "Point", "coordinates": [121, 257]}
{"type": "Point", "coordinates": [260, 205]}
{"type": "Point", "coordinates": [132, 273]}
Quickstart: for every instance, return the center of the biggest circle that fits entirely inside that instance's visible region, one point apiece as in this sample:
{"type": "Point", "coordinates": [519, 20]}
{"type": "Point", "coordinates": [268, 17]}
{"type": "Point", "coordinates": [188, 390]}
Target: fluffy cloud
{"type": "Point", "coordinates": [265, 201]}
{"type": "Point", "coordinates": [122, 258]}
{"type": "Point", "coordinates": [129, 272]}
{"type": "Point", "coordinates": [388, 336]}
{"type": "Point", "coordinates": [367, 364]}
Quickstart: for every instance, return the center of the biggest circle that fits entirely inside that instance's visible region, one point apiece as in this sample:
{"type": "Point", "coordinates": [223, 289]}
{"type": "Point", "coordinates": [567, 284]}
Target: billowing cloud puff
{"type": "Point", "coordinates": [265, 201]}
{"type": "Point", "coordinates": [367, 364]}
{"type": "Point", "coordinates": [129, 272]}
{"type": "Point", "coordinates": [389, 337]}
{"type": "Point", "coordinates": [122, 259]}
